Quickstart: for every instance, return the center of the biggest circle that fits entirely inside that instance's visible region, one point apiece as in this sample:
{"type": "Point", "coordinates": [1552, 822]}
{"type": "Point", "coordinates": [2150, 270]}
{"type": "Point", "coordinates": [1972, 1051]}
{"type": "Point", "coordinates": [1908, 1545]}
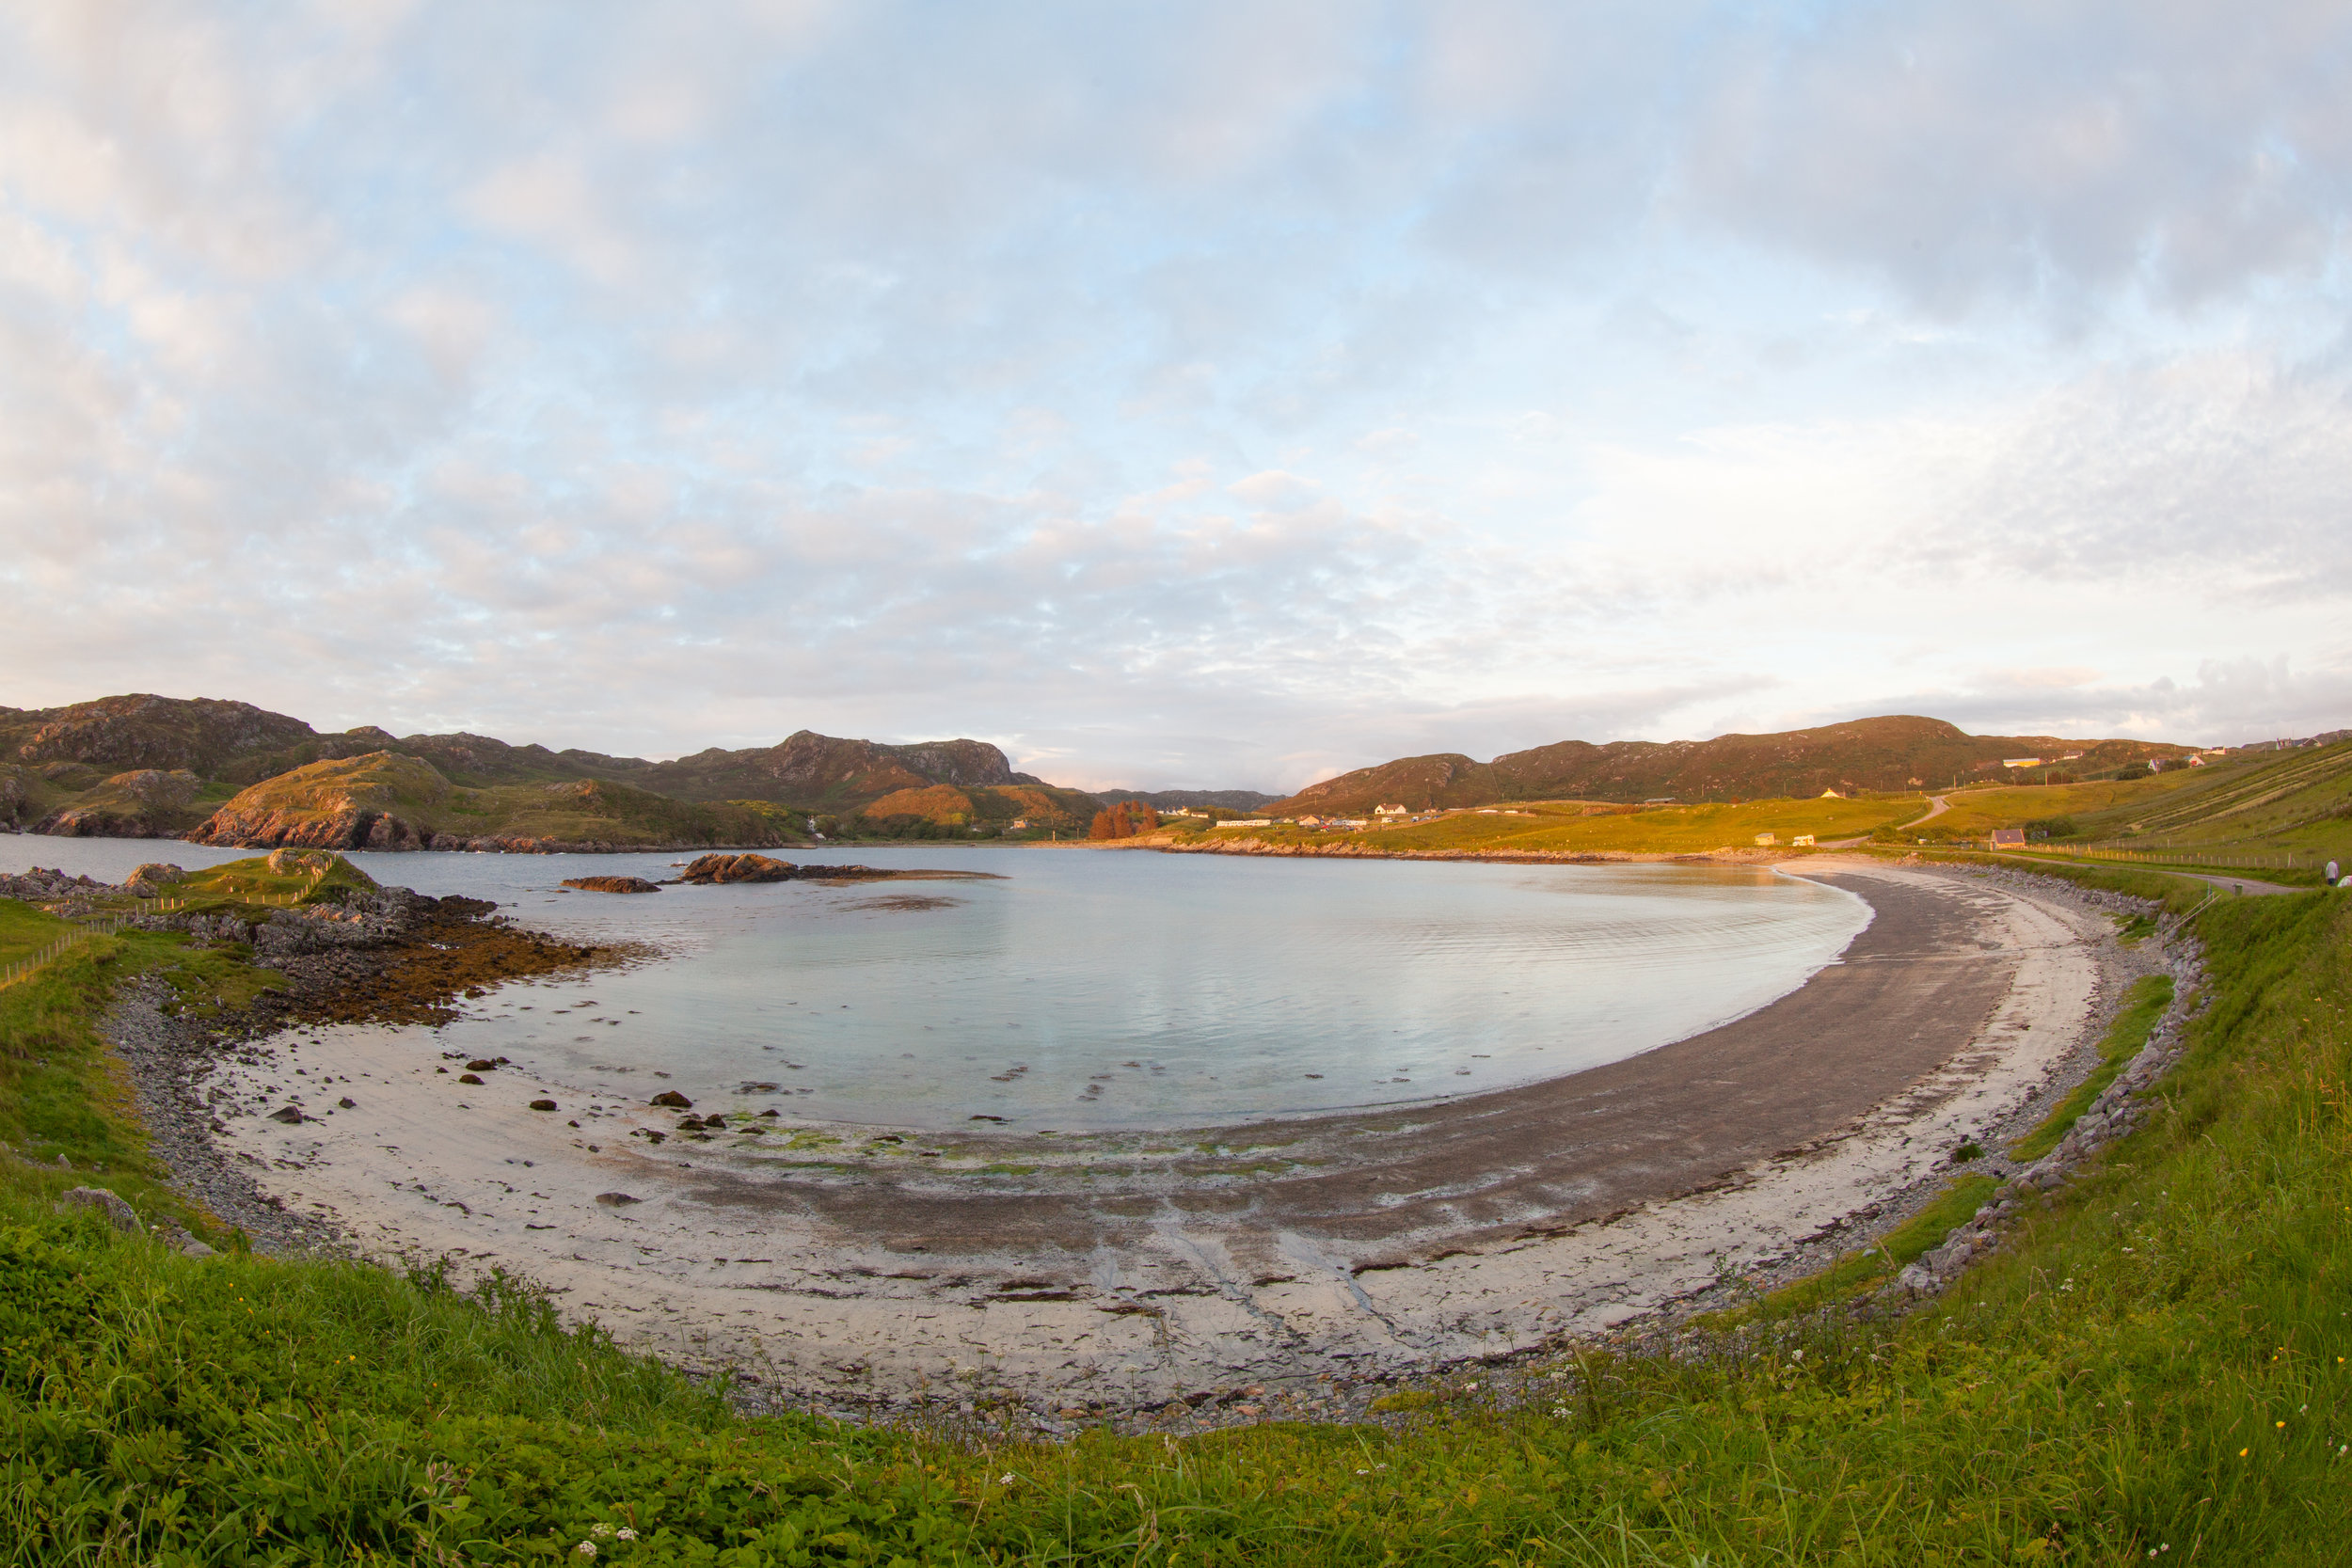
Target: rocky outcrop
{"type": "Point", "coordinates": [366, 802]}
{"type": "Point", "coordinates": [613, 884]}
{"type": "Point", "coordinates": [710, 869]}
{"type": "Point", "coordinates": [144, 803]}
{"type": "Point", "coordinates": [39, 886]}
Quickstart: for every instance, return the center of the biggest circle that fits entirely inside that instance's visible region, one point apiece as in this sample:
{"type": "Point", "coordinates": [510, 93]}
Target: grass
{"type": "Point", "coordinates": [308, 876]}
{"type": "Point", "coordinates": [2154, 1360]}
{"type": "Point", "coordinates": [2143, 1008]}
{"type": "Point", "coordinates": [1579, 827]}
{"type": "Point", "coordinates": [1867, 1268]}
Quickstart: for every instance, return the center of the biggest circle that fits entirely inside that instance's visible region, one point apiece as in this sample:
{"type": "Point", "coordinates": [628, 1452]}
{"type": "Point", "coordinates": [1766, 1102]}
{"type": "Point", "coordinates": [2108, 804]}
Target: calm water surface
{"type": "Point", "coordinates": [1091, 989]}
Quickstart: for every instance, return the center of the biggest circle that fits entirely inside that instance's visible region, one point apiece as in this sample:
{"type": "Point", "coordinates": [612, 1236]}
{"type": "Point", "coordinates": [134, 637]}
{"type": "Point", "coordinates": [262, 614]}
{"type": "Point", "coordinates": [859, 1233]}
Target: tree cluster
{"type": "Point", "coordinates": [1124, 820]}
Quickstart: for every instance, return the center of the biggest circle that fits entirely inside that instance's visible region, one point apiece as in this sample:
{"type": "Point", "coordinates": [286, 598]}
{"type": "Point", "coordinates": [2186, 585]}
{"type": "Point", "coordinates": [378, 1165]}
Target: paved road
{"type": "Point", "coordinates": [1937, 806]}
{"type": "Point", "coordinates": [2239, 884]}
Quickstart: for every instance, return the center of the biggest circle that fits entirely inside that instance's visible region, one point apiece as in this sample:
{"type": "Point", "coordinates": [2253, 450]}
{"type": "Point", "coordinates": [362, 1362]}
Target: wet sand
{"type": "Point", "coordinates": [1120, 1269]}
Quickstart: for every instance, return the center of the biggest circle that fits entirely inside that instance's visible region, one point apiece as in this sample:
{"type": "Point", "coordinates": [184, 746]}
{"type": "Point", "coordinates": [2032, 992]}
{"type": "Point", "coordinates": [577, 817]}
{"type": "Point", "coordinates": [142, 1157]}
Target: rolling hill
{"type": "Point", "coordinates": [1899, 752]}
{"type": "Point", "coordinates": [144, 765]}
{"type": "Point", "coordinates": [388, 800]}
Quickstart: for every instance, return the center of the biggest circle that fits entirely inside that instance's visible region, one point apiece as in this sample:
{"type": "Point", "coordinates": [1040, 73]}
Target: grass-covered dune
{"type": "Point", "coordinates": [2153, 1364]}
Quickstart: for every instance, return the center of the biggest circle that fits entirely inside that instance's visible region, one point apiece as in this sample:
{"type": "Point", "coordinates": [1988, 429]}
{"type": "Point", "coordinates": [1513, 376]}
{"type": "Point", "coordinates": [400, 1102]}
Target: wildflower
{"type": "Point", "coordinates": [627, 1534]}
{"type": "Point", "coordinates": [1363, 1472]}
{"type": "Point", "coordinates": [600, 1527]}
{"type": "Point", "coordinates": [2283, 1425]}
{"type": "Point", "coordinates": [2067, 1286]}
{"type": "Point", "coordinates": [1796, 1356]}
{"type": "Point", "coordinates": [586, 1548]}
{"type": "Point", "coordinates": [2243, 1453]}
{"type": "Point", "coordinates": [1005, 1479]}
{"type": "Point", "coordinates": [1560, 1412]}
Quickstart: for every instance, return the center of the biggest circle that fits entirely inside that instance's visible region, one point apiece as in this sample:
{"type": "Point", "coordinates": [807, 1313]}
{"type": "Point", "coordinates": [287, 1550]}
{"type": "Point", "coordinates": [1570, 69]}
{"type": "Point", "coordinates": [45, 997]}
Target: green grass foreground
{"type": "Point", "coordinates": [2155, 1365]}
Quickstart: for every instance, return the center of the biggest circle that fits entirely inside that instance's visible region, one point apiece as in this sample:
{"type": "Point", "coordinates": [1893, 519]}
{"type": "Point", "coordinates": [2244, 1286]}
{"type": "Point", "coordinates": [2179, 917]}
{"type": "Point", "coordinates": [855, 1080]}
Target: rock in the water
{"type": "Point", "coordinates": [291, 1115]}
{"type": "Point", "coordinates": [118, 1213]}
{"type": "Point", "coordinates": [617, 884]}
{"type": "Point", "coordinates": [617, 1201]}
{"type": "Point", "coordinates": [708, 869]}
{"type": "Point", "coordinates": [674, 1100]}
{"type": "Point", "coordinates": [543, 1104]}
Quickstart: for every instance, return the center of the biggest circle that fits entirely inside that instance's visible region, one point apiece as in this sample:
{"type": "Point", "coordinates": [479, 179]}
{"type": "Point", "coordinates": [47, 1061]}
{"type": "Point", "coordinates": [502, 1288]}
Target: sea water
{"type": "Point", "coordinates": [1079, 989]}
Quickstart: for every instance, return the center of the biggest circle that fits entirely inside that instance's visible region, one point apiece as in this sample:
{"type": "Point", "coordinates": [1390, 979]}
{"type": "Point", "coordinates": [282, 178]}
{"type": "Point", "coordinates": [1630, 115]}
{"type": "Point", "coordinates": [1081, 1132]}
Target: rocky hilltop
{"type": "Point", "coordinates": [1902, 752]}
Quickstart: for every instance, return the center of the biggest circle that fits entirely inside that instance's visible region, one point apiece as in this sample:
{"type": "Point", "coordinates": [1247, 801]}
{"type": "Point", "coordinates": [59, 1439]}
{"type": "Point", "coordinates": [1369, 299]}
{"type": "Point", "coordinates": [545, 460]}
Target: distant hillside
{"type": "Point", "coordinates": [825, 773]}
{"type": "Point", "coordinates": [1891, 754]}
{"type": "Point", "coordinates": [386, 801]}
{"type": "Point", "coordinates": [69, 770]}
{"type": "Point", "coordinates": [1192, 799]}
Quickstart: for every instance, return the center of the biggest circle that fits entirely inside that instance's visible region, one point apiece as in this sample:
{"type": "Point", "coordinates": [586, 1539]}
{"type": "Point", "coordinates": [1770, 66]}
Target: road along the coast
{"type": "Point", "coordinates": [1122, 1269]}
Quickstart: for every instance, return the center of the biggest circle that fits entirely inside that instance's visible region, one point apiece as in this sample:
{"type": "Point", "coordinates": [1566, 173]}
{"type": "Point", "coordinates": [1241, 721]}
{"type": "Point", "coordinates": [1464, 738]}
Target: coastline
{"type": "Point", "coordinates": [1111, 1274]}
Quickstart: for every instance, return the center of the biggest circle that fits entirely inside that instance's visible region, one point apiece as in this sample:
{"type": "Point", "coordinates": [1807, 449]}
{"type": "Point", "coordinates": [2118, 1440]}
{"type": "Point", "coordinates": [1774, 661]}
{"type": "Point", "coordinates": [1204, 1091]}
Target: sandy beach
{"type": "Point", "coordinates": [1114, 1271]}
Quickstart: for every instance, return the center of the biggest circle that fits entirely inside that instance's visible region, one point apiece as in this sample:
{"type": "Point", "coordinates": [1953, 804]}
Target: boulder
{"type": "Point", "coordinates": [118, 1213]}
{"type": "Point", "coordinates": [674, 1100]}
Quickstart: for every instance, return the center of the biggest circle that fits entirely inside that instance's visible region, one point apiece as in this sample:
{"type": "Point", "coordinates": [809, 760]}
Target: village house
{"type": "Point", "coordinates": [2008, 838]}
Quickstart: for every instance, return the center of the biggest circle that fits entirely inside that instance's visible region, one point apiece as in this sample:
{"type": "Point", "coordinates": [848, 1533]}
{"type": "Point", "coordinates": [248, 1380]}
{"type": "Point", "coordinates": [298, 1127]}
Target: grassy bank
{"type": "Point", "coordinates": [2155, 1364]}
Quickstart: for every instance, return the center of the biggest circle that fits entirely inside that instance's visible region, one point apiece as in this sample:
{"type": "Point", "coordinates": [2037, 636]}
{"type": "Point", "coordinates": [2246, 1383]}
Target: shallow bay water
{"type": "Point", "coordinates": [1090, 989]}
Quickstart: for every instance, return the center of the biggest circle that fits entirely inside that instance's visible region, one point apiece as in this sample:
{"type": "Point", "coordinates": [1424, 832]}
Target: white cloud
{"type": "Point", "coordinates": [1223, 396]}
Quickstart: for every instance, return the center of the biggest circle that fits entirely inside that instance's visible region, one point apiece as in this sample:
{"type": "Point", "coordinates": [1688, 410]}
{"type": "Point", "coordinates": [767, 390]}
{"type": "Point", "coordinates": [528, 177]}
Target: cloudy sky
{"type": "Point", "coordinates": [1206, 394]}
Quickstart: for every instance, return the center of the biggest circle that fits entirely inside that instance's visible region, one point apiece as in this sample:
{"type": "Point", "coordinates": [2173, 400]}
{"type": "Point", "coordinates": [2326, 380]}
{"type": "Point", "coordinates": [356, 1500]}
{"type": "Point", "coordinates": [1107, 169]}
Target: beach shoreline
{"type": "Point", "coordinates": [1107, 1272]}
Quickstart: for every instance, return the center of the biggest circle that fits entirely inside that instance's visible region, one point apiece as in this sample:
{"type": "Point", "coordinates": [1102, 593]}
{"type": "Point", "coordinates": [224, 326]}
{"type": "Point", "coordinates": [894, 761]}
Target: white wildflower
{"type": "Point", "coordinates": [586, 1548]}
{"type": "Point", "coordinates": [600, 1527]}
{"type": "Point", "coordinates": [627, 1534]}
{"type": "Point", "coordinates": [1005, 1479]}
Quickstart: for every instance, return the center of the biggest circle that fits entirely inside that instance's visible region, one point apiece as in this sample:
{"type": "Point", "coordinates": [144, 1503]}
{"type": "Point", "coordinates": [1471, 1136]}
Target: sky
{"type": "Point", "coordinates": [1208, 395]}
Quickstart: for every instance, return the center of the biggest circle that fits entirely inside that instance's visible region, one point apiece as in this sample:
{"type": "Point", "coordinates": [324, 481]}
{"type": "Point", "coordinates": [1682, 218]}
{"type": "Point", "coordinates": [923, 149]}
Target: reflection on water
{"type": "Point", "coordinates": [1092, 990]}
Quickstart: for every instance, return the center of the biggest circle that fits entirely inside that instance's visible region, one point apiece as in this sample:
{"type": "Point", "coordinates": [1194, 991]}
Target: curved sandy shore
{"type": "Point", "coordinates": [1111, 1271]}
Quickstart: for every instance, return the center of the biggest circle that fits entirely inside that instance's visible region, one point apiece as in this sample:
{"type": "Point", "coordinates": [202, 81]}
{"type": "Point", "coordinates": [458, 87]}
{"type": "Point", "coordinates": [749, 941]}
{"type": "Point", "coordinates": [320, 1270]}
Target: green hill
{"type": "Point", "coordinates": [1900, 753]}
